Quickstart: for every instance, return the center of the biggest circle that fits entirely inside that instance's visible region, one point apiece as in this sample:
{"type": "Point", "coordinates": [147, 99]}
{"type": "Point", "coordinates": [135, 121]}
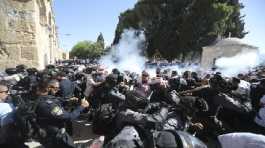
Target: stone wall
{"type": "Point", "coordinates": [62, 55]}
{"type": "Point", "coordinates": [28, 33]}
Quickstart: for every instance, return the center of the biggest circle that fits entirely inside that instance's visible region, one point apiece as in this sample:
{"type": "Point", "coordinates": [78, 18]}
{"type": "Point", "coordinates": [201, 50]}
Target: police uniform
{"type": "Point", "coordinates": [67, 88]}
{"type": "Point", "coordinates": [9, 132]}
{"type": "Point", "coordinates": [52, 117]}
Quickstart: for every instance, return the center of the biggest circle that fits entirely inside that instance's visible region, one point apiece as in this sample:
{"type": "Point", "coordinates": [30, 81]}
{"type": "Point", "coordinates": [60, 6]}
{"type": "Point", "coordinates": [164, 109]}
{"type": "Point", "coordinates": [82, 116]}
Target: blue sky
{"type": "Point", "coordinates": [255, 22]}
{"type": "Point", "coordinates": [85, 19]}
{"type": "Point", "coordinates": [80, 20]}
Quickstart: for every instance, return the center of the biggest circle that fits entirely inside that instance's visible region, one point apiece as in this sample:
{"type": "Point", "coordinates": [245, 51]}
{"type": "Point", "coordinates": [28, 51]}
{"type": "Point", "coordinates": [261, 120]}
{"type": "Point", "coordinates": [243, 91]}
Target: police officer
{"type": "Point", "coordinates": [67, 87]}
{"type": "Point", "coordinates": [53, 87]}
{"type": "Point", "coordinates": [102, 93]}
{"type": "Point", "coordinates": [6, 108]}
{"type": "Point", "coordinates": [256, 93]}
{"type": "Point", "coordinates": [143, 86]}
{"type": "Point", "coordinates": [131, 113]}
{"type": "Point", "coordinates": [52, 117]}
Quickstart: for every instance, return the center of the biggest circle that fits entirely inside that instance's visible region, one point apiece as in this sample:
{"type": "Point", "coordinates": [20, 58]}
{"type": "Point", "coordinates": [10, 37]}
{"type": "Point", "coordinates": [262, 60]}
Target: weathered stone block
{"type": "Point", "coordinates": [28, 53]}
{"type": "Point", "coordinates": [13, 51]}
{"type": "Point", "coordinates": [23, 39]}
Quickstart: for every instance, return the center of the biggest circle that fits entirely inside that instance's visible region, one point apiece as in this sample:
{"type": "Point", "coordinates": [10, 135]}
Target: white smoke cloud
{"type": "Point", "coordinates": [180, 68]}
{"type": "Point", "coordinates": [240, 63]}
{"type": "Point", "coordinates": [126, 55]}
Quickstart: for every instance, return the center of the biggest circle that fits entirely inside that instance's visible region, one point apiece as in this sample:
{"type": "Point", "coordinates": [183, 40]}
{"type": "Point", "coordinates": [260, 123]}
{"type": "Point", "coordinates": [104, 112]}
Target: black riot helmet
{"type": "Point", "coordinates": [234, 83]}
{"type": "Point", "coordinates": [21, 68]}
{"type": "Point", "coordinates": [111, 80]}
{"type": "Point", "coordinates": [50, 66]}
{"type": "Point", "coordinates": [11, 71]}
{"type": "Point", "coordinates": [32, 71]}
{"type": "Point", "coordinates": [115, 71]}
{"type": "Point", "coordinates": [262, 83]}
{"type": "Point", "coordinates": [217, 82]}
{"type": "Point", "coordinates": [120, 78]}
{"type": "Point", "coordinates": [174, 83]}
{"type": "Point", "coordinates": [103, 121]}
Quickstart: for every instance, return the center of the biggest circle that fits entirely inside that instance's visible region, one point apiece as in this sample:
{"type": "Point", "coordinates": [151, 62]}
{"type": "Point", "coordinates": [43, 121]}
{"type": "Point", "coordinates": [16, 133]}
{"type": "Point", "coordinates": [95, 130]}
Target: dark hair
{"type": "Point", "coordinates": [112, 79]}
{"type": "Point", "coordinates": [174, 72]}
{"type": "Point", "coordinates": [43, 85]}
{"type": "Point", "coordinates": [186, 74]}
{"type": "Point", "coordinates": [61, 74]}
{"type": "Point", "coordinates": [115, 71]}
{"type": "Point", "coordinates": [158, 70]}
{"type": "Point", "coordinates": [88, 70]}
{"type": "Point", "coordinates": [236, 80]}
{"type": "Point", "coordinates": [217, 81]}
{"type": "Point", "coordinates": [144, 73]}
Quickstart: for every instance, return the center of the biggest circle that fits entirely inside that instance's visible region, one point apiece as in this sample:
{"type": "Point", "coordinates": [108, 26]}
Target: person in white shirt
{"type": "Point", "coordinates": [6, 109]}
{"type": "Point", "coordinates": [90, 84]}
{"type": "Point", "coordinates": [242, 140]}
{"type": "Point", "coordinates": [260, 117]}
{"type": "Point", "coordinates": [142, 86]}
{"type": "Point", "coordinates": [9, 134]}
{"type": "Point", "coordinates": [243, 89]}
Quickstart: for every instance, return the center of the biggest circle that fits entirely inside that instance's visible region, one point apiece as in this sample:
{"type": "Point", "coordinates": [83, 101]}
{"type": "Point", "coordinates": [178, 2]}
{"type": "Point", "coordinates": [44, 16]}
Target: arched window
{"type": "Point", "coordinates": [50, 19]}
{"type": "Point", "coordinates": [42, 11]}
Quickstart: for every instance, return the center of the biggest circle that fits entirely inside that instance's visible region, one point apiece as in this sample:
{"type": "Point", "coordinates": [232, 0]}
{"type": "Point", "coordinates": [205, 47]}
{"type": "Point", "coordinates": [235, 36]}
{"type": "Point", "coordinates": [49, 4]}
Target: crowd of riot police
{"type": "Point", "coordinates": [168, 110]}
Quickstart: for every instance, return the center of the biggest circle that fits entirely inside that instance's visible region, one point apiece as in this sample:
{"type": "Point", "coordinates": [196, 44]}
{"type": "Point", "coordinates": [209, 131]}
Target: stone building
{"type": "Point", "coordinates": [28, 34]}
{"type": "Point", "coordinates": [228, 47]}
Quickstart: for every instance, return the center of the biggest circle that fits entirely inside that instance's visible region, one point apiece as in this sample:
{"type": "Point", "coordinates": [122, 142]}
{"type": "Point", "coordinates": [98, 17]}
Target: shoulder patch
{"type": "Point", "coordinates": [49, 101]}
{"type": "Point", "coordinates": [57, 111]}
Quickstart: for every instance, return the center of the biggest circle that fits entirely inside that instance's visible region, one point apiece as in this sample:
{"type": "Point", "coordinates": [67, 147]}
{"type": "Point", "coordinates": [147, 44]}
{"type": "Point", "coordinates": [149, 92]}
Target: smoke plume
{"type": "Point", "coordinates": [126, 55]}
{"type": "Point", "coordinates": [240, 63]}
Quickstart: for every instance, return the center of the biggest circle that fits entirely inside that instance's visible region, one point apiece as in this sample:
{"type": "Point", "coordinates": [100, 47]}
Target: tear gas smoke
{"type": "Point", "coordinates": [180, 68]}
{"type": "Point", "coordinates": [127, 54]}
{"type": "Point", "coordinates": [240, 63]}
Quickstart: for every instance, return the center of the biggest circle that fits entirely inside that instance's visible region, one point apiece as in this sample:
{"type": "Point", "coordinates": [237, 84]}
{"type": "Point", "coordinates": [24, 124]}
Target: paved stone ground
{"type": "Point", "coordinates": [82, 134]}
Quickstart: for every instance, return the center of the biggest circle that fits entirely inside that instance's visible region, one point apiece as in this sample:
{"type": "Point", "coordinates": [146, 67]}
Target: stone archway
{"type": "Point", "coordinates": [42, 12]}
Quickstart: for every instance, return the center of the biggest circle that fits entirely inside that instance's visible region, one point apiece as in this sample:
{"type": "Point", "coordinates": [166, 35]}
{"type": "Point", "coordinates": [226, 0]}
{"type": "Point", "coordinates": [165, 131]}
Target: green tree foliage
{"type": "Point", "coordinates": [179, 27]}
{"type": "Point", "coordinates": [87, 49]}
{"type": "Point", "coordinates": [100, 41]}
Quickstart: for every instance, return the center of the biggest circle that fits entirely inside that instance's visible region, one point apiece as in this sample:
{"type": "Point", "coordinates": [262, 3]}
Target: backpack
{"type": "Point", "coordinates": [26, 118]}
{"type": "Point", "coordinates": [103, 120]}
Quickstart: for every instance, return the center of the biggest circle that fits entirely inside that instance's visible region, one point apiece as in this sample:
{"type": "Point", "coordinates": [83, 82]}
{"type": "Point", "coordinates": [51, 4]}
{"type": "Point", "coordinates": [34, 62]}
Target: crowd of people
{"type": "Point", "coordinates": [169, 110]}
